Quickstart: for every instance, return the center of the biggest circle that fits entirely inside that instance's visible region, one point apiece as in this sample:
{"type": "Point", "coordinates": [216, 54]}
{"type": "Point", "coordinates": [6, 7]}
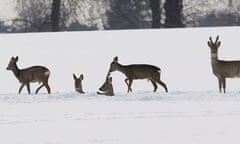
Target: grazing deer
{"type": "Point", "coordinates": [78, 83]}
{"type": "Point", "coordinates": [32, 74]}
{"type": "Point", "coordinates": [138, 71]}
{"type": "Point", "coordinates": [107, 87]}
{"type": "Point", "coordinates": [222, 69]}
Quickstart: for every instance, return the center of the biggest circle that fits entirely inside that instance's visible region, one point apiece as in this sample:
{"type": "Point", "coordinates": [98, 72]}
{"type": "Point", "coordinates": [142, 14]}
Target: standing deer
{"type": "Point", "coordinates": [138, 71]}
{"type": "Point", "coordinates": [32, 74]}
{"type": "Point", "coordinates": [107, 87]}
{"type": "Point", "coordinates": [78, 83]}
{"type": "Point", "coordinates": [222, 69]}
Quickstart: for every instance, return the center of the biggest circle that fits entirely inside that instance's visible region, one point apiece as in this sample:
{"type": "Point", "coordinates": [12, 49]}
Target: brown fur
{"type": "Point", "coordinates": [32, 74]}
{"type": "Point", "coordinates": [107, 88]}
{"type": "Point", "coordinates": [138, 71]}
{"type": "Point", "coordinates": [78, 83]}
{"type": "Point", "coordinates": [222, 69]}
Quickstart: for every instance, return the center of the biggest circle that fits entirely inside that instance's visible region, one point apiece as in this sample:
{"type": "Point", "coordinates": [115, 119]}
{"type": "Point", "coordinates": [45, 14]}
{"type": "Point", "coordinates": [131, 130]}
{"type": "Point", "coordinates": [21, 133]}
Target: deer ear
{"type": "Point", "coordinates": [115, 59]}
{"type": "Point", "coordinates": [74, 77]}
{"type": "Point", "coordinates": [209, 44]}
{"type": "Point", "coordinates": [16, 59]}
{"type": "Point", "coordinates": [218, 44]}
{"type": "Point", "coordinates": [210, 38]}
{"type": "Point", "coordinates": [81, 77]}
{"type": "Point", "coordinates": [217, 39]}
{"type": "Point", "coordinates": [211, 41]}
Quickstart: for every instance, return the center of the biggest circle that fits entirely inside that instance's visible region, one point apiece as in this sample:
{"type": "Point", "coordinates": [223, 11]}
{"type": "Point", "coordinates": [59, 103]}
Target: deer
{"type": "Point", "coordinates": [78, 83]}
{"type": "Point", "coordinates": [138, 71]}
{"type": "Point", "coordinates": [222, 69]}
{"type": "Point", "coordinates": [32, 74]}
{"type": "Point", "coordinates": [107, 88]}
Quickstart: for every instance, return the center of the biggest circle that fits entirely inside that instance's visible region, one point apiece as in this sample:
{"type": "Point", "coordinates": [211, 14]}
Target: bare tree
{"type": "Point", "coordinates": [230, 4]}
{"type": "Point", "coordinates": [91, 14]}
{"type": "Point", "coordinates": [156, 13]}
{"type": "Point", "coordinates": [55, 15]}
{"type": "Point", "coordinates": [128, 14]}
{"type": "Point", "coordinates": [3, 27]}
{"type": "Point", "coordinates": [173, 12]}
{"type": "Point", "coordinates": [211, 13]}
{"type": "Point", "coordinates": [45, 15]}
{"type": "Point", "coordinates": [33, 15]}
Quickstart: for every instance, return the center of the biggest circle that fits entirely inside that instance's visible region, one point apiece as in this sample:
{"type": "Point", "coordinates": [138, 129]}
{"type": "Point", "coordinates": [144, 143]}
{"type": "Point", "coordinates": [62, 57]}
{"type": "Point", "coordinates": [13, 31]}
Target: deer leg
{"type": "Point", "coordinates": [220, 85]}
{"type": "Point", "coordinates": [126, 81]}
{"type": "Point", "coordinates": [224, 85]}
{"type": "Point", "coordinates": [163, 85]}
{"type": "Point", "coordinates": [39, 88]}
{"type": "Point", "coordinates": [129, 85]}
{"type": "Point", "coordinates": [20, 89]}
{"type": "Point", "coordinates": [48, 88]}
{"type": "Point", "coordinates": [28, 88]}
{"type": "Point", "coordinates": [154, 86]}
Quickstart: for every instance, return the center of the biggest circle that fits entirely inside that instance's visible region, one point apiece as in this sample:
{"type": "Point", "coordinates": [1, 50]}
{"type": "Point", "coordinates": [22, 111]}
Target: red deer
{"type": "Point", "coordinates": [78, 83]}
{"type": "Point", "coordinates": [107, 87]}
{"type": "Point", "coordinates": [138, 71]}
{"type": "Point", "coordinates": [222, 69]}
{"type": "Point", "coordinates": [32, 74]}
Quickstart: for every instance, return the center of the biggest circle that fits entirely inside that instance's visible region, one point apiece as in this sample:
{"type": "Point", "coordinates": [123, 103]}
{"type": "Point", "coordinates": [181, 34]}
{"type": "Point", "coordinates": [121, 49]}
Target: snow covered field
{"type": "Point", "coordinates": [138, 118]}
{"type": "Point", "coordinates": [182, 55]}
{"type": "Point", "coordinates": [193, 112]}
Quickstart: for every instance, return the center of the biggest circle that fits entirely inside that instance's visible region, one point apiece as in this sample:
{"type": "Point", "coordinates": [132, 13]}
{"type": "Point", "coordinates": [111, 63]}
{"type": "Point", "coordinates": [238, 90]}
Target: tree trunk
{"type": "Point", "coordinates": [156, 13]}
{"type": "Point", "coordinates": [230, 4]}
{"type": "Point", "coordinates": [173, 11]}
{"type": "Point", "coordinates": [55, 17]}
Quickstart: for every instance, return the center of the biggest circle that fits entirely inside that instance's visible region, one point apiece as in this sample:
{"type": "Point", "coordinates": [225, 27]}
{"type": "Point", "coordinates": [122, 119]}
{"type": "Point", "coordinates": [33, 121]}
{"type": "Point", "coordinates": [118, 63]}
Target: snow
{"type": "Point", "coordinates": [192, 112]}
{"type": "Point", "coordinates": [136, 118]}
{"type": "Point", "coordinates": [182, 55]}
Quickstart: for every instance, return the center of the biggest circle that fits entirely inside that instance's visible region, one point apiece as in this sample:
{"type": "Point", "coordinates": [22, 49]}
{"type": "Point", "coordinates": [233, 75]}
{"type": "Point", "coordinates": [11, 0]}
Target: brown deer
{"type": "Point", "coordinates": [32, 74]}
{"type": "Point", "coordinates": [78, 83]}
{"type": "Point", "coordinates": [222, 69]}
{"type": "Point", "coordinates": [138, 71]}
{"type": "Point", "coordinates": [107, 87]}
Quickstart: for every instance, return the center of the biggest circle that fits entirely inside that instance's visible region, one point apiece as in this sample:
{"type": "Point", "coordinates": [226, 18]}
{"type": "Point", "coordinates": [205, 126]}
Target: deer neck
{"type": "Point", "coordinates": [16, 71]}
{"type": "Point", "coordinates": [122, 68]}
{"type": "Point", "coordinates": [214, 57]}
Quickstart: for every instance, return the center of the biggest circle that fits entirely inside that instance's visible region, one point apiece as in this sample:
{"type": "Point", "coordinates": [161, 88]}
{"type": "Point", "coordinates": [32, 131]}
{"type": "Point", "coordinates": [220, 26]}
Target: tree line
{"type": "Point", "coordinates": [73, 15]}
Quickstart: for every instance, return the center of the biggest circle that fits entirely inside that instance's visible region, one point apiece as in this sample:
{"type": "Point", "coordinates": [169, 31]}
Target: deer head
{"type": "Point", "coordinates": [214, 45]}
{"type": "Point", "coordinates": [105, 87]}
{"type": "Point", "coordinates": [78, 83]}
{"type": "Point", "coordinates": [114, 65]}
{"type": "Point", "coordinates": [12, 65]}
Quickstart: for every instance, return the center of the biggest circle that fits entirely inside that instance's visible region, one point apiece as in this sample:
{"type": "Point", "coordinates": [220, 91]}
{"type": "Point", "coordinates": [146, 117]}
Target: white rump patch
{"type": "Point", "coordinates": [47, 73]}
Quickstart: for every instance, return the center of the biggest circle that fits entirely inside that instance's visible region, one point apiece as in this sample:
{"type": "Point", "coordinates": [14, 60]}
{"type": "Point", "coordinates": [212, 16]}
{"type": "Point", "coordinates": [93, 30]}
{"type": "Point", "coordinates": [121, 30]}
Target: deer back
{"type": "Point", "coordinates": [141, 71]}
{"type": "Point", "coordinates": [34, 74]}
{"type": "Point", "coordinates": [31, 74]}
{"type": "Point", "coordinates": [135, 71]}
